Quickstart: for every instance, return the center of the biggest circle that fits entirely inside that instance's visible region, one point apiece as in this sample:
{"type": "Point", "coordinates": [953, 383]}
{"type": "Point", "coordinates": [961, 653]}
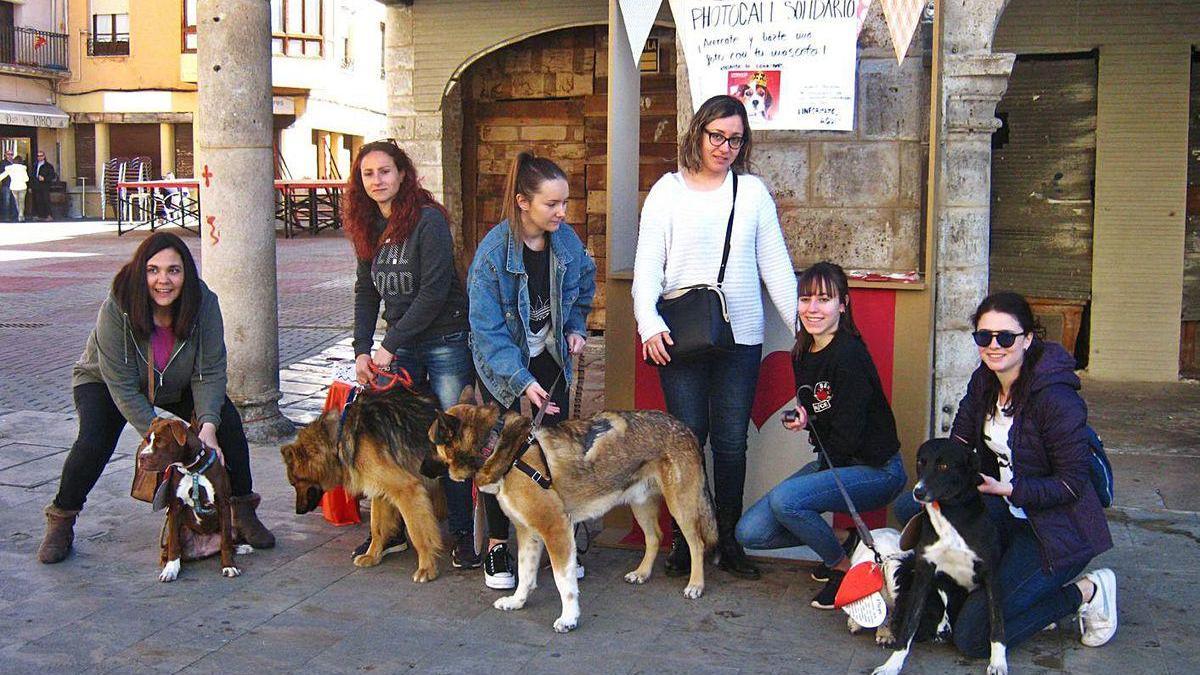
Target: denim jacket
{"type": "Point", "coordinates": [498, 288]}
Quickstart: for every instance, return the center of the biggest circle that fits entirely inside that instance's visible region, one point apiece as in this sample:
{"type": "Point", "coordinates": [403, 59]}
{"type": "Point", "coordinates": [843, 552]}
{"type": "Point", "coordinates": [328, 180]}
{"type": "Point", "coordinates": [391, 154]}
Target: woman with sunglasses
{"type": "Point", "coordinates": [852, 419]}
{"type": "Point", "coordinates": [1024, 417]}
{"type": "Point", "coordinates": [680, 243]}
{"type": "Point", "coordinates": [405, 253]}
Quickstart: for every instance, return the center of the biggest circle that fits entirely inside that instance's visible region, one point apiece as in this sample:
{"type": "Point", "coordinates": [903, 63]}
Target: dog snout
{"type": "Point", "coordinates": [920, 493]}
{"type": "Point", "coordinates": [308, 498]}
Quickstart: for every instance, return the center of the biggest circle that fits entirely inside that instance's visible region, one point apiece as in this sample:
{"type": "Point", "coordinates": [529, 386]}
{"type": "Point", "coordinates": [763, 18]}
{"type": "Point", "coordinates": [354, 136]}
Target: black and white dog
{"type": "Point", "coordinates": [953, 537]}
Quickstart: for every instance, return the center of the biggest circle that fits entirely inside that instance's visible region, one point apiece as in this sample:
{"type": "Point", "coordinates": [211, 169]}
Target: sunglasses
{"type": "Point", "coordinates": [1004, 338]}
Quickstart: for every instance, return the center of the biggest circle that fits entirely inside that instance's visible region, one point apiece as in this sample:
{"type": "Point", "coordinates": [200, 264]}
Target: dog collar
{"type": "Point", "coordinates": [493, 437]}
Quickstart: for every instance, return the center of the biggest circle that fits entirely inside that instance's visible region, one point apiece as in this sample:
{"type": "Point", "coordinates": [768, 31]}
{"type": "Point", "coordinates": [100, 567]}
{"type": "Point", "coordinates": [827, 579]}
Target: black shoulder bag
{"type": "Point", "coordinates": [698, 316]}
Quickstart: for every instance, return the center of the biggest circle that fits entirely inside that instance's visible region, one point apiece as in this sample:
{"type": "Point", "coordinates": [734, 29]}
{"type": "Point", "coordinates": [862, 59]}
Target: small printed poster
{"type": "Point", "coordinates": [791, 62]}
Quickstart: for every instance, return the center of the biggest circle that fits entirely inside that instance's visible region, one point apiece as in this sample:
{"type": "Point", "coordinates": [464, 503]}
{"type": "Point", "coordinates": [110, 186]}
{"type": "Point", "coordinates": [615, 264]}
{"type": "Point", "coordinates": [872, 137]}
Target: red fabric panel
{"type": "Point", "coordinates": [875, 316]}
{"type": "Point", "coordinates": [337, 505]}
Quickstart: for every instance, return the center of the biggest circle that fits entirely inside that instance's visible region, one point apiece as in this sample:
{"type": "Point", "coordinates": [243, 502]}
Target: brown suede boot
{"type": "Point", "coordinates": [246, 525]}
{"type": "Point", "coordinates": [60, 534]}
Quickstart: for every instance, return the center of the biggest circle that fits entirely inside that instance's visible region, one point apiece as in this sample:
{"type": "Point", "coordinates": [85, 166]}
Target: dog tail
{"type": "Point", "coordinates": [708, 522]}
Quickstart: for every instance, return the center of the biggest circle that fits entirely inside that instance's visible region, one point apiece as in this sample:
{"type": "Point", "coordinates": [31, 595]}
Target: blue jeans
{"type": "Point", "coordinates": [1032, 597]}
{"type": "Point", "coordinates": [713, 398]}
{"type": "Point", "coordinates": [790, 514]}
{"type": "Point", "coordinates": [444, 365]}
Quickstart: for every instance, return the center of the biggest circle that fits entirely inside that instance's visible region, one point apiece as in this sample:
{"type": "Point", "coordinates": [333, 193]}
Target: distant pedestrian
{"type": "Point", "coordinates": [405, 253]}
{"type": "Point", "coordinates": [531, 285]}
{"type": "Point", "coordinates": [43, 175]}
{"type": "Point", "coordinates": [8, 208]}
{"type": "Point", "coordinates": [18, 181]}
{"type": "Point", "coordinates": [159, 341]}
{"type": "Point", "coordinates": [683, 233]}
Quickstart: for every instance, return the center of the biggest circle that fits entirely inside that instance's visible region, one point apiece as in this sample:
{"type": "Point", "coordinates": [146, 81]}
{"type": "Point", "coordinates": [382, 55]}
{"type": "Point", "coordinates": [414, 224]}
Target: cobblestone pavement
{"type": "Point", "coordinates": [304, 607]}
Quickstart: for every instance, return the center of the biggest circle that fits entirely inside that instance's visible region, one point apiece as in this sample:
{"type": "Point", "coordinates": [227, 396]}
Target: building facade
{"type": "Point", "coordinates": [33, 63]}
{"type": "Point", "coordinates": [133, 87]}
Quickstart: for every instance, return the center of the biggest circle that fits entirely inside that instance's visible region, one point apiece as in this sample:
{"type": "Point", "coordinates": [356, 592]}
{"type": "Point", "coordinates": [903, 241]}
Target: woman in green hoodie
{"type": "Point", "coordinates": [158, 341]}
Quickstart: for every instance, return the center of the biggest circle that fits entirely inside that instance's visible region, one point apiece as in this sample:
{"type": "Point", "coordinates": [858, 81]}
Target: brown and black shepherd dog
{"type": "Point", "coordinates": [594, 464]}
{"type": "Point", "coordinates": [378, 452]}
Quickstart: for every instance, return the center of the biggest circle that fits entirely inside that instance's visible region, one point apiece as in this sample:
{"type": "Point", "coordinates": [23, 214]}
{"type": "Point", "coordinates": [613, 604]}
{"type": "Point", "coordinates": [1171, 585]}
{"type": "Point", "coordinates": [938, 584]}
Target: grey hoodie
{"type": "Point", "coordinates": [116, 358]}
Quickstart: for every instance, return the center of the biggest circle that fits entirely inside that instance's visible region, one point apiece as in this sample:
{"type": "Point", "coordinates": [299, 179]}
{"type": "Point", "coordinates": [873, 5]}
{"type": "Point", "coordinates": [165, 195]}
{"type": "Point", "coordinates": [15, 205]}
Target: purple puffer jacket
{"type": "Point", "coordinates": [1051, 471]}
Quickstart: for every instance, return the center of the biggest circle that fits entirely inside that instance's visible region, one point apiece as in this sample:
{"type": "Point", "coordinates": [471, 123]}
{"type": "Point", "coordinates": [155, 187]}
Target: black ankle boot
{"type": "Point", "coordinates": [731, 557]}
{"type": "Point", "coordinates": [679, 559]}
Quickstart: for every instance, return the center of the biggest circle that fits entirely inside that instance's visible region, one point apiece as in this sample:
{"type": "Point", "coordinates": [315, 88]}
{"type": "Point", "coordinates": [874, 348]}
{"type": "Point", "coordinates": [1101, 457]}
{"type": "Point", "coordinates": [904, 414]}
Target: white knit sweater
{"type": "Point", "coordinates": [680, 241]}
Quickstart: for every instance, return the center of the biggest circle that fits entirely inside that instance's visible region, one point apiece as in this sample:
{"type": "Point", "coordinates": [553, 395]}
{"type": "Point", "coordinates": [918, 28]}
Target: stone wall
{"type": "Point", "coordinates": [855, 197]}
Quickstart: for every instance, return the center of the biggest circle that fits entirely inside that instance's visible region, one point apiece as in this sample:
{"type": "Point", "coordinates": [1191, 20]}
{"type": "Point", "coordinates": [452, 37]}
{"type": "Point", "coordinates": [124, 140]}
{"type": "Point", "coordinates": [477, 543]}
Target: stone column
{"type": "Point", "coordinates": [234, 167]}
{"type": "Point", "coordinates": [972, 84]}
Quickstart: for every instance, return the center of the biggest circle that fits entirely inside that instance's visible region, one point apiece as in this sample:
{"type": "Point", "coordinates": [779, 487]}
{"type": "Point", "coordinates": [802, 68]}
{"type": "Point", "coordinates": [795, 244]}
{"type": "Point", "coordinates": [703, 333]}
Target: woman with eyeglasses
{"type": "Point", "coordinates": [1024, 417]}
{"type": "Point", "coordinates": [405, 253]}
{"type": "Point", "coordinates": [680, 243]}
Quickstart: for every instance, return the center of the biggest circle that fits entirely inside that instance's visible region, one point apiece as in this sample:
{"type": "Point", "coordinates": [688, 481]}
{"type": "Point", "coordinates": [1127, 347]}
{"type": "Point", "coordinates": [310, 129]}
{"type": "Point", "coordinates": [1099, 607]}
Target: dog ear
{"type": "Point", "coordinates": [179, 431]}
{"type": "Point", "coordinates": [468, 395]}
{"type": "Point", "coordinates": [911, 536]}
{"type": "Point", "coordinates": [444, 429]}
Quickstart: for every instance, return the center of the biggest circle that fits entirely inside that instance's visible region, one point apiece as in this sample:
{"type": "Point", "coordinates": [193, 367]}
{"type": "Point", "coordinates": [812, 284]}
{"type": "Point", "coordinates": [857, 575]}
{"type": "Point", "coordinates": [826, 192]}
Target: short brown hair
{"type": "Point", "coordinates": [691, 146]}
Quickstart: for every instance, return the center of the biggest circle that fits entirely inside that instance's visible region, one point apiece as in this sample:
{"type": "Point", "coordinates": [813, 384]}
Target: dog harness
{"type": "Point", "coordinates": [544, 481]}
{"type": "Point", "coordinates": [198, 506]}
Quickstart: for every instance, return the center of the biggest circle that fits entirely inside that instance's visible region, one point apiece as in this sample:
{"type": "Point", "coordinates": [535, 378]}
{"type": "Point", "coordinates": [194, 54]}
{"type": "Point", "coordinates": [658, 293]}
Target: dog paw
{"type": "Point", "coordinates": [508, 603]}
{"type": "Point", "coordinates": [852, 626]}
{"type": "Point", "coordinates": [564, 625]}
{"type": "Point", "coordinates": [230, 572]}
{"type": "Point", "coordinates": [693, 591]}
{"type": "Point", "coordinates": [997, 669]}
{"type": "Point", "coordinates": [635, 577]}
{"type": "Point", "coordinates": [424, 574]}
{"type": "Point", "coordinates": [170, 571]}
{"type": "Point", "coordinates": [885, 669]}
{"type": "Point", "coordinates": [244, 549]}
{"type": "Point", "coordinates": [365, 560]}
{"type": "Point", "coordinates": [884, 636]}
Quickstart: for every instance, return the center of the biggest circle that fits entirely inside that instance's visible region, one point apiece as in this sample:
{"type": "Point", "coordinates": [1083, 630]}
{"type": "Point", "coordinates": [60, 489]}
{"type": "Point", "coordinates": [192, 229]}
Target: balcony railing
{"type": "Point", "coordinates": [30, 47]}
{"type": "Point", "coordinates": [109, 45]}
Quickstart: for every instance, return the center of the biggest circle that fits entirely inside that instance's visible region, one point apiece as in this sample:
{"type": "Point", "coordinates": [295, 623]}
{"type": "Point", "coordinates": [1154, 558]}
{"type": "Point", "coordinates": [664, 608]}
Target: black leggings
{"type": "Point", "coordinates": [545, 370]}
{"type": "Point", "coordinates": [100, 426]}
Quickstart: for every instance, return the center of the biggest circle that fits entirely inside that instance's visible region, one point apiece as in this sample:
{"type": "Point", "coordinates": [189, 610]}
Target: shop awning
{"type": "Point", "coordinates": [33, 115]}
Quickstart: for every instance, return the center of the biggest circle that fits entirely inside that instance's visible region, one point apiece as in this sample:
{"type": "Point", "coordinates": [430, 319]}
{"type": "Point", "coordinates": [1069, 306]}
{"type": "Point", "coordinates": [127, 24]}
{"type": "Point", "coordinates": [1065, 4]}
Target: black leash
{"type": "Point", "coordinates": [863, 531]}
{"type": "Point", "coordinates": [544, 481]}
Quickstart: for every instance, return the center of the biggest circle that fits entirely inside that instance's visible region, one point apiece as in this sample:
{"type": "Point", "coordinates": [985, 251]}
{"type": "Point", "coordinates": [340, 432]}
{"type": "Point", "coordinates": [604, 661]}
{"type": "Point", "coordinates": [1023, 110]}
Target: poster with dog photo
{"type": "Point", "coordinates": [757, 90]}
{"type": "Point", "coordinates": [792, 63]}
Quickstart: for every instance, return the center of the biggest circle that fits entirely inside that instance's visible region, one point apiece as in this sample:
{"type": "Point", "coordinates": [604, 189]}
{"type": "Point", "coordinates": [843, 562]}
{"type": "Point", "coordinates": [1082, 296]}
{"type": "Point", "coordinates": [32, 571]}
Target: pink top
{"type": "Point", "coordinates": [162, 341]}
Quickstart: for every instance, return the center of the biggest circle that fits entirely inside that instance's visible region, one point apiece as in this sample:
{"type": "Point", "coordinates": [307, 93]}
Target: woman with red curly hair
{"type": "Point", "coordinates": [401, 237]}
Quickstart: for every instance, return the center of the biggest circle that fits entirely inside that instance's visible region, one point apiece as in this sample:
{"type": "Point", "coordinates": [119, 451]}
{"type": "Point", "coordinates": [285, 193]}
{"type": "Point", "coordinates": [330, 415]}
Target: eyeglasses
{"type": "Point", "coordinates": [1004, 338]}
{"type": "Point", "coordinates": [718, 139]}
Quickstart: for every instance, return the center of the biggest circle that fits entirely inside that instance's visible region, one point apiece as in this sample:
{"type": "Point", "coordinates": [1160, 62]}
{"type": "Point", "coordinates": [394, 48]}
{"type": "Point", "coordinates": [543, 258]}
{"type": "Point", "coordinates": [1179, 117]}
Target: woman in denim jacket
{"type": "Point", "coordinates": [530, 287]}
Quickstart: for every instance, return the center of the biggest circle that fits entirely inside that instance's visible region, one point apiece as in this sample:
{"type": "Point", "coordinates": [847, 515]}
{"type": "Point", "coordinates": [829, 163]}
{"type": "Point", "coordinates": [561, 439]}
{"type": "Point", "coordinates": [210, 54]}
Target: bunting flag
{"type": "Point", "coordinates": [860, 12]}
{"type": "Point", "coordinates": [639, 17]}
{"type": "Point", "coordinates": [902, 17]}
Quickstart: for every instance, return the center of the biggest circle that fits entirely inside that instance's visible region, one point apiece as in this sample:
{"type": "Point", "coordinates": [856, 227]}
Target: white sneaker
{"type": "Point", "coordinates": [579, 571]}
{"type": "Point", "coordinates": [497, 569]}
{"type": "Point", "coordinates": [1098, 618]}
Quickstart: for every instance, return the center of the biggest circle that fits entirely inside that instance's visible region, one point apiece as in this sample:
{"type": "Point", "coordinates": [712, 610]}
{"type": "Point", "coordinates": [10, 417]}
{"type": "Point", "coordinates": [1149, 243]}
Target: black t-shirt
{"type": "Point", "coordinates": [849, 411]}
{"type": "Point", "coordinates": [537, 266]}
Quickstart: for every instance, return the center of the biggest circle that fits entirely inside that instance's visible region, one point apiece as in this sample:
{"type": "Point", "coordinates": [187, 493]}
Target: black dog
{"type": "Point", "coordinates": [953, 537]}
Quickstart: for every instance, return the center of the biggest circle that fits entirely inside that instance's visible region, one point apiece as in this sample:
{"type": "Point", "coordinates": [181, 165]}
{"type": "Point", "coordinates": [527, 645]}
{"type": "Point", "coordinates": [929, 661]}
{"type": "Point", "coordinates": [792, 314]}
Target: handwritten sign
{"type": "Point", "coordinates": [791, 62]}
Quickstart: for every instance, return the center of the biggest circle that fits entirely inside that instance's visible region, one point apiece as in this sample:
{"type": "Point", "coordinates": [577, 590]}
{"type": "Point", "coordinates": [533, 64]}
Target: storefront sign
{"type": "Point", "coordinates": [792, 62]}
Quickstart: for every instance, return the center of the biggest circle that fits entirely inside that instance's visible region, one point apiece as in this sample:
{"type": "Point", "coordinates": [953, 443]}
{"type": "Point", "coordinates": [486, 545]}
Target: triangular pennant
{"type": "Point", "coordinates": [902, 17]}
{"type": "Point", "coordinates": [860, 13]}
{"type": "Point", "coordinates": [639, 17]}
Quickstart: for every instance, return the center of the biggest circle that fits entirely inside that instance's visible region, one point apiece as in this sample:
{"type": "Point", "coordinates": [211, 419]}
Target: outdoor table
{"type": "Point", "coordinates": [317, 202]}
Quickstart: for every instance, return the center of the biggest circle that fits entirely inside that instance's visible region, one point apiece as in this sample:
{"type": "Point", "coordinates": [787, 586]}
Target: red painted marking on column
{"type": "Point", "coordinates": [214, 232]}
{"type": "Point", "coordinates": [206, 174]}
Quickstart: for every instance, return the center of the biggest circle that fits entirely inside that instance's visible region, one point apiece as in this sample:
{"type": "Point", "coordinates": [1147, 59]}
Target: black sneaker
{"type": "Point", "coordinates": [824, 599]}
{"type": "Point", "coordinates": [497, 569]}
{"type": "Point", "coordinates": [396, 544]}
{"type": "Point", "coordinates": [463, 555]}
{"type": "Point", "coordinates": [821, 571]}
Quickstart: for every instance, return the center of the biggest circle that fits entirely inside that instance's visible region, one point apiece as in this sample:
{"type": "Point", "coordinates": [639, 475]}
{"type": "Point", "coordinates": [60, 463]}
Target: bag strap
{"type": "Point", "coordinates": [150, 376]}
{"type": "Point", "coordinates": [728, 232]}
